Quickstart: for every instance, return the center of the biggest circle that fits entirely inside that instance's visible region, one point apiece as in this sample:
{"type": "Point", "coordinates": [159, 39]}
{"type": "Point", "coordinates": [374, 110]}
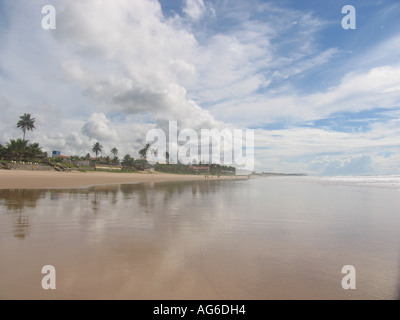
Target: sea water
{"type": "Point", "coordinates": [260, 238]}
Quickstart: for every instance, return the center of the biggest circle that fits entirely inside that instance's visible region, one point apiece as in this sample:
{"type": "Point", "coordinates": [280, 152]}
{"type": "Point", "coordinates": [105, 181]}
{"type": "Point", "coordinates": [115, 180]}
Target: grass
{"type": "Point", "coordinates": [68, 165]}
{"type": "Point", "coordinates": [117, 171]}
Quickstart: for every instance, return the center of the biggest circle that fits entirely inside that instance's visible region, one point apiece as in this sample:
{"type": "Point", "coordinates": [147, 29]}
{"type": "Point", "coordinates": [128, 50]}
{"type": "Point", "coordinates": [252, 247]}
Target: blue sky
{"type": "Point", "coordinates": [322, 100]}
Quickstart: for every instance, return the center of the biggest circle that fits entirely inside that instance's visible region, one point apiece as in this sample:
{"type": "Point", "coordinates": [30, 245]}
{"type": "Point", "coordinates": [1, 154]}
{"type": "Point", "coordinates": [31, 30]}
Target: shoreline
{"type": "Point", "coordinates": [25, 179]}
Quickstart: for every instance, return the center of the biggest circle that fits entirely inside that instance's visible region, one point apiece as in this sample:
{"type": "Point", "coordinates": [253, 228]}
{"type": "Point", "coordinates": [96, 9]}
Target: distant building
{"type": "Point", "coordinates": [199, 169]}
{"type": "Point", "coordinates": [58, 155]}
{"type": "Point", "coordinates": [108, 167]}
{"type": "Point", "coordinates": [84, 163]}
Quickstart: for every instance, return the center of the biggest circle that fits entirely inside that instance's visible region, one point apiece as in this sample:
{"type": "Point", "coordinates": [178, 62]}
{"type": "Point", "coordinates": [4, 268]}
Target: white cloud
{"type": "Point", "coordinates": [375, 88]}
{"type": "Point", "coordinates": [194, 8]}
{"type": "Point", "coordinates": [360, 164]}
{"type": "Point", "coordinates": [115, 69]}
{"type": "Point", "coordinates": [135, 61]}
{"type": "Point", "coordinates": [97, 127]}
{"type": "Point", "coordinates": [321, 151]}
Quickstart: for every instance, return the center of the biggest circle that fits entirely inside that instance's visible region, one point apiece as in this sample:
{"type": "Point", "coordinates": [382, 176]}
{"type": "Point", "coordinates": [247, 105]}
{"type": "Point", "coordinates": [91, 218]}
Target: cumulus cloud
{"type": "Point", "coordinates": [159, 65]}
{"type": "Point", "coordinates": [375, 88]}
{"type": "Point", "coordinates": [194, 8]}
{"type": "Point", "coordinates": [139, 61]}
{"type": "Point", "coordinates": [113, 70]}
{"type": "Point", "coordinates": [97, 127]}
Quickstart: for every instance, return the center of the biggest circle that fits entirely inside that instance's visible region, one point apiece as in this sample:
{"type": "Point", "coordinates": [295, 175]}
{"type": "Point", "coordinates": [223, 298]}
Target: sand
{"type": "Point", "coordinates": [25, 179]}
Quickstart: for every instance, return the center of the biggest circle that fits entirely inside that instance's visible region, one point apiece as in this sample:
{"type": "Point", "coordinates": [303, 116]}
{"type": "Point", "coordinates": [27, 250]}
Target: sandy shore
{"type": "Point", "coordinates": [24, 179]}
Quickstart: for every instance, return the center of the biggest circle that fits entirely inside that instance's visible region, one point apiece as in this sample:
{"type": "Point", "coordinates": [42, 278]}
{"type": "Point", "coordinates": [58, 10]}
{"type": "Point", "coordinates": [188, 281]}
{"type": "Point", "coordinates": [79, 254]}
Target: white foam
{"type": "Point", "coordinates": [380, 181]}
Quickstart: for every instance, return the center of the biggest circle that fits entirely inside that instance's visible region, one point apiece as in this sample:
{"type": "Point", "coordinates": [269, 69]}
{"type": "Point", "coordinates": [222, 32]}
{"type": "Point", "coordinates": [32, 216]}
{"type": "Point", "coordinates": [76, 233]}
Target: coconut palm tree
{"type": "Point", "coordinates": [115, 160]}
{"type": "Point", "coordinates": [34, 150]}
{"type": "Point", "coordinates": [114, 151]}
{"type": "Point", "coordinates": [16, 149]}
{"type": "Point", "coordinates": [128, 161]}
{"type": "Point", "coordinates": [97, 148]}
{"type": "Point", "coordinates": [143, 152]}
{"type": "Point", "coordinates": [167, 157]}
{"type": "Point", "coordinates": [26, 123]}
{"type": "Point", "coordinates": [3, 151]}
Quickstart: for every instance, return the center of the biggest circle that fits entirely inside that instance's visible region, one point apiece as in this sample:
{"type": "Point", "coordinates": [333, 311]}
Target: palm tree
{"type": "Point", "coordinates": [16, 149]}
{"type": "Point", "coordinates": [115, 160]}
{"type": "Point", "coordinates": [26, 123]}
{"type": "Point", "coordinates": [97, 148]}
{"type": "Point", "coordinates": [2, 151]}
{"type": "Point", "coordinates": [114, 151]}
{"type": "Point", "coordinates": [143, 152]}
{"type": "Point", "coordinates": [128, 161]}
{"type": "Point", "coordinates": [167, 157]}
{"type": "Point", "coordinates": [34, 150]}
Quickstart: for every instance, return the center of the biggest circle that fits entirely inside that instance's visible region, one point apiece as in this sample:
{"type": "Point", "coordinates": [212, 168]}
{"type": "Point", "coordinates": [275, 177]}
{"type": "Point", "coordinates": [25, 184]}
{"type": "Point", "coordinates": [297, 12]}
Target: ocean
{"type": "Point", "coordinates": [260, 238]}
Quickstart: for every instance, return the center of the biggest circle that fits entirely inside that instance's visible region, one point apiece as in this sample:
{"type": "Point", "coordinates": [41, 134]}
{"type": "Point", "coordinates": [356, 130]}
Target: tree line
{"type": "Point", "coordinates": [22, 150]}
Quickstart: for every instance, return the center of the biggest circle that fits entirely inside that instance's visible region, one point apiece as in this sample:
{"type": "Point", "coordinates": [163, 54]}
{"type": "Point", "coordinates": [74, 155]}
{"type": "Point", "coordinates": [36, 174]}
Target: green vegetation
{"type": "Point", "coordinates": [129, 164]}
{"type": "Point", "coordinates": [115, 160]}
{"type": "Point", "coordinates": [26, 123]}
{"type": "Point", "coordinates": [208, 169]}
{"type": "Point", "coordinates": [167, 156]}
{"type": "Point", "coordinates": [143, 151]}
{"type": "Point", "coordinates": [57, 160]}
{"type": "Point", "coordinates": [69, 165]}
{"type": "Point", "coordinates": [223, 170]}
{"type": "Point", "coordinates": [128, 161]}
{"type": "Point", "coordinates": [2, 151]}
{"type": "Point", "coordinates": [124, 170]}
{"type": "Point", "coordinates": [174, 168]}
{"type": "Point", "coordinates": [141, 164]}
{"type": "Point", "coordinates": [114, 151]}
{"type": "Point", "coordinates": [20, 150]}
{"type": "Point", "coordinates": [97, 148]}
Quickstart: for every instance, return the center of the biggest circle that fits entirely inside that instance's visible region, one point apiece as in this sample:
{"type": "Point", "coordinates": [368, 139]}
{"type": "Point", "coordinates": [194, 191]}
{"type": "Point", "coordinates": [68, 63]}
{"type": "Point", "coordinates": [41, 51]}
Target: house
{"type": "Point", "coordinates": [200, 169]}
{"type": "Point", "coordinates": [58, 155]}
{"type": "Point", "coordinates": [83, 163]}
{"type": "Point", "coordinates": [109, 167]}
{"type": "Point", "coordinates": [55, 154]}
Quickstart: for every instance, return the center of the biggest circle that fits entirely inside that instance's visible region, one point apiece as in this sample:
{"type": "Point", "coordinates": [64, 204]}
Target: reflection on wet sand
{"type": "Point", "coordinates": [251, 239]}
{"type": "Point", "coordinates": [15, 201]}
{"type": "Point", "coordinates": [136, 229]}
{"type": "Point", "coordinates": [18, 199]}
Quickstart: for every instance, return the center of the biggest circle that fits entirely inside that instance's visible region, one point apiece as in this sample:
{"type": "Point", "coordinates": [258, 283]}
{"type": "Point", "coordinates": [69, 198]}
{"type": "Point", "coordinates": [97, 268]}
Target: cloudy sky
{"type": "Point", "coordinates": [322, 100]}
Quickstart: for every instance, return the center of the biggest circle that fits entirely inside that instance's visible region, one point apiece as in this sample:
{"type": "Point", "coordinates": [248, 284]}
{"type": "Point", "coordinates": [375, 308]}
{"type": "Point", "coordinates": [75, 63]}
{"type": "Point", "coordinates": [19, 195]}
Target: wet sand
{"type": "Point", "coordinates": [269, 238]}
{"type": "Point", "coordinates": [25, 179]}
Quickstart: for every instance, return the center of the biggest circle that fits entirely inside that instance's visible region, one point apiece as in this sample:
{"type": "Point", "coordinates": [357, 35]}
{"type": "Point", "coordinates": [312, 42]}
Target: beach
{"type": "Point", "coordinates": [25, 179]}
{"type": "Point", "coordinates": [264, 238]}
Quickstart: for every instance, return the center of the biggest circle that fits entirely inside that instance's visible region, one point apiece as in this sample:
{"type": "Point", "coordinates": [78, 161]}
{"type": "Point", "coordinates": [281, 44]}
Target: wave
{"type": "Point", "coordinates": [380, 181]}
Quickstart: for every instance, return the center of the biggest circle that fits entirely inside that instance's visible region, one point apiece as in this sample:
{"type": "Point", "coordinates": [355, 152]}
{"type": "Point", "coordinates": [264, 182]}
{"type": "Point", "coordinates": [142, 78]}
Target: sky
{"type": "Point", "coordinates": [322, 100]}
